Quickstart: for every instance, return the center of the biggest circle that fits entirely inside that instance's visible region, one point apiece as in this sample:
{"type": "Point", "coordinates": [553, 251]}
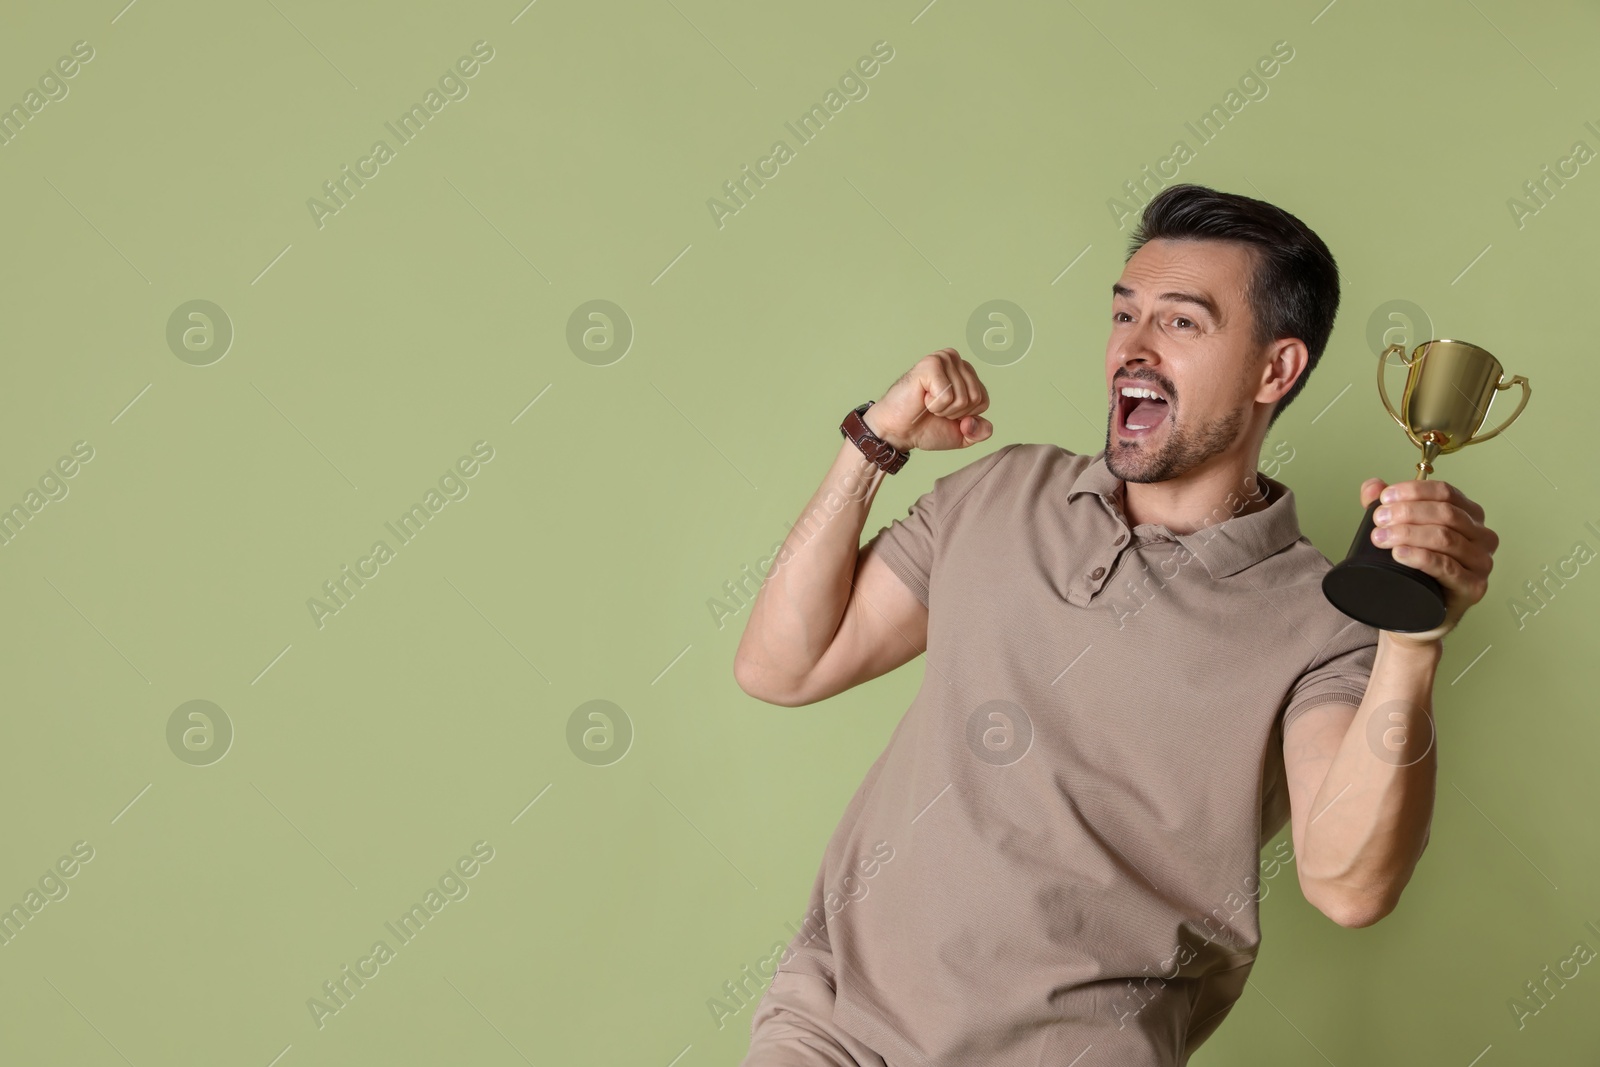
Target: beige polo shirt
{"type": "Point", "coordinates": [1075, 804]}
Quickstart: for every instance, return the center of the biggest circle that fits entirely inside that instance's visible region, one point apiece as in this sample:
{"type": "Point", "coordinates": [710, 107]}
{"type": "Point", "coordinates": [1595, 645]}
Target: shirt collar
{"type": "Point", "coordinates": [1224, 547]}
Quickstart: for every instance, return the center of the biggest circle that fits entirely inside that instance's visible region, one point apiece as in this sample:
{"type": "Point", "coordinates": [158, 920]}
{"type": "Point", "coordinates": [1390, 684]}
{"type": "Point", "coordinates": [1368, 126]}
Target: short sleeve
{"type": "Point", "coordinates": [1339, 673]}
{"type": "Point", "coordinates": [909, 546]}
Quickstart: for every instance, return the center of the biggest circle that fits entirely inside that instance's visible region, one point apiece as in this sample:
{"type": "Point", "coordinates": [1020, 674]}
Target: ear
{"type": "Point", "coordinates": [1286, 360]}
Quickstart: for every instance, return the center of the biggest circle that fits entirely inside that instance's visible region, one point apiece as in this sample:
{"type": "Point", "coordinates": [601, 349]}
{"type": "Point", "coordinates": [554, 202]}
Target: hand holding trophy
{"type": "Point", "coordinates": [1449, 387]}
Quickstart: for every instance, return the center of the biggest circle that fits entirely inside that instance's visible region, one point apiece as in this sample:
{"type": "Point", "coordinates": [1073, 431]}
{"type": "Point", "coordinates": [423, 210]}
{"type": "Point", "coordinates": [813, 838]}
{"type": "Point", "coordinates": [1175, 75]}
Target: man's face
{"type": "Point", "coordinates": [1181, 327]}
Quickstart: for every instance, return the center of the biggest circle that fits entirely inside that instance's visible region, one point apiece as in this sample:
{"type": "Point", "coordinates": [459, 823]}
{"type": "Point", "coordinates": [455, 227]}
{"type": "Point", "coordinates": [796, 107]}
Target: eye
{"type": "Point", "coordinates": [1116, 316]}
{"type": "Point", "coordinates": [1181, 319]}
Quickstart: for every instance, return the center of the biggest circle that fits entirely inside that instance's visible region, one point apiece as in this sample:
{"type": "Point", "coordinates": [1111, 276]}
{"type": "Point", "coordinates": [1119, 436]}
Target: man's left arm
{"type": "Point", "coordinates": [1361, 778]}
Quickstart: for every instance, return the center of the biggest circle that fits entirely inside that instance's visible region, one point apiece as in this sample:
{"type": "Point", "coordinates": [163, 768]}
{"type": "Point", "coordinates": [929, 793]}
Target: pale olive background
{"type": "Point", "coordinates": [369, 355]}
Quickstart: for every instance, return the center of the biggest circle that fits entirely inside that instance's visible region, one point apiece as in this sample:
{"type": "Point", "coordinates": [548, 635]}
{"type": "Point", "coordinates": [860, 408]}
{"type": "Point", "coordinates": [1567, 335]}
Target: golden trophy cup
{"type": "Point", "coordinates": [1449, 387]}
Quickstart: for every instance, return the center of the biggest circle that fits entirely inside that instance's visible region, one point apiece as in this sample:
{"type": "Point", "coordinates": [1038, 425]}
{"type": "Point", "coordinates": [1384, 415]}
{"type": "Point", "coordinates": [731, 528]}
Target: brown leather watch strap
{"type": "Point", "coordinates": [875, 448]}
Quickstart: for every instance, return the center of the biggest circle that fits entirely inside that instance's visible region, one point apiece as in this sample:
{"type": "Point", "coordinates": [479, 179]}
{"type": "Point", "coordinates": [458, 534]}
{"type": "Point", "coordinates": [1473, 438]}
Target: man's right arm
{"type": "Point", "coordinates": [828, 617]}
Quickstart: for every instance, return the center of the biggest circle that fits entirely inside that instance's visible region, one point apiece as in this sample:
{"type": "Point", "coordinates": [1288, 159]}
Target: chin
{"type": "Point", "coordinates": [1132, 463]}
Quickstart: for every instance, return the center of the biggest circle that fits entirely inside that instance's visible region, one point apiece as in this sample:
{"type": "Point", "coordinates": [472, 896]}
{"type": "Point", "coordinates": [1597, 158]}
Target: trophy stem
{"type": "Point", "coordinates": [1430, 452]}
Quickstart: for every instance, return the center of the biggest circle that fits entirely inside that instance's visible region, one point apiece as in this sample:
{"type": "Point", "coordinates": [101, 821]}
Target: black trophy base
{"type": "Point", "coordinates": [1370, 587]}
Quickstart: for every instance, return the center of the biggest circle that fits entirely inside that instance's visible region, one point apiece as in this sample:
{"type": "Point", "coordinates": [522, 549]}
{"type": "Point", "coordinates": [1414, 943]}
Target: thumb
{"type": "Point", "coordinates": [1370, 490]}
{"type": "Point", "coordinates": [977, 429]}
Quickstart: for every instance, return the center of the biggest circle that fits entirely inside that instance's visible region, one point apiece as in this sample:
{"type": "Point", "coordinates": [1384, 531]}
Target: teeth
{"type": "Point", "coordinates": [1139, 392]}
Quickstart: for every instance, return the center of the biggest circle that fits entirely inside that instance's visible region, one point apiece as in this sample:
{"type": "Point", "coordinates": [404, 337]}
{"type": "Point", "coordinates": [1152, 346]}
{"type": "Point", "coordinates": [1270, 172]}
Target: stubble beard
{"type": "Point", "coordinates": [1182, 451]}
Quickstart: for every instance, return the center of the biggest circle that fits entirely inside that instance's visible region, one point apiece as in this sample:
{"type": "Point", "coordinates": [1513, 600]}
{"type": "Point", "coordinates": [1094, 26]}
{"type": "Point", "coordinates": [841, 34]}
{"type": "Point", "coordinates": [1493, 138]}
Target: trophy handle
{"type": "Point", "coordinates": [1383, 391]}
{"type": "Point", "coordinates": [1527, 391]}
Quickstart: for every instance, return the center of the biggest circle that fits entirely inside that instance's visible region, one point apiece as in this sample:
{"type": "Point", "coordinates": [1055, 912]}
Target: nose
{"type": "Point", "coordinates": [1139, 343]}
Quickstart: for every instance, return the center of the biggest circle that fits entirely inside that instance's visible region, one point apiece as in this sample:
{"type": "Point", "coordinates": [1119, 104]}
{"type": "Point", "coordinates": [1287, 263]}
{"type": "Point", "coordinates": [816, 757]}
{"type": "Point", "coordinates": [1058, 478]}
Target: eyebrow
{"type": "Point", "coordinates": [1198, 299]}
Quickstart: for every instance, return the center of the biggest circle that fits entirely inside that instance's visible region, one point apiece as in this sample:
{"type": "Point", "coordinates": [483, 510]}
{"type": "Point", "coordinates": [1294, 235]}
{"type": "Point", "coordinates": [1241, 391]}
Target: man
{"type": "Point", "coordinates": [1133, 680]}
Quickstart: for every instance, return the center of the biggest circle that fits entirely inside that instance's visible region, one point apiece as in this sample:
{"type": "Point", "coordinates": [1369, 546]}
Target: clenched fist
{"type": "Point", "coordinates": [933, 406]}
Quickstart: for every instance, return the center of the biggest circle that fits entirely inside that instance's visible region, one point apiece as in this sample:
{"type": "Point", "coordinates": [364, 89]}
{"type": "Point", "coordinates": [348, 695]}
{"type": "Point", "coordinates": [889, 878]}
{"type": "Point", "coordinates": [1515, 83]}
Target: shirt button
{"type": "Point", "coordinates": [1096, 574]}
{"type": "Point", "coordinates": [1121, 537]}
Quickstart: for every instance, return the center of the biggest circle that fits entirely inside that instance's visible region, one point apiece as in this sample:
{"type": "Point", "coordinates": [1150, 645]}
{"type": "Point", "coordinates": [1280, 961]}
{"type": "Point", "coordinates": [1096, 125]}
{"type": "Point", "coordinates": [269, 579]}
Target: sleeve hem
{"type": "Point", "coordinates": [1328, 696]}
{"type": "Point", "coordinates": [896, 559]}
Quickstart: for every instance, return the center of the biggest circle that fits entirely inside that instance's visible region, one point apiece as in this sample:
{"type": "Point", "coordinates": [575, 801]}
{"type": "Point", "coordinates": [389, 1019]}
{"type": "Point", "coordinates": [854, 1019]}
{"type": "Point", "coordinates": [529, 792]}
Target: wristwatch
{"type": "Point", "coordinates": [881, 452]}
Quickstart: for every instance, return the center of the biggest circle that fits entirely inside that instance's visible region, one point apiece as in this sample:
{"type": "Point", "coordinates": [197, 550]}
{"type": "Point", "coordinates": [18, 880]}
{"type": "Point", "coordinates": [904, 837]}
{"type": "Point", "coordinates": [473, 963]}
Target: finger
{"type": "Point", "coordinates": [1426, 511]}
{"type": "Point", "coordinates": [1471, 559]}
{"type": "Point", "coordinates": [977, 395]}
{"type": "Point", "coordinates": [1466, 503]}
{"type": "Point", "coordinates": [956, 396]}
{"type": "Point", "coordinates": [1370, 490]}
{"type": "Point", "coordinates": [961, 373]}
{"type": "Point", "coordinates": [1447, 569]}
{"type": "Point", "coordinates": [1435, 512]}
{"type": "Point", "coordinates": [1491, 540]}
{"type": "Point", "coordinates": [937, 389]}
{"type": "Point", "coordinates": [1433, 490]}
{"type": "Point", "coordinates": [1435, 538]}
{"type": "Point", "coordinates": [977, 429]}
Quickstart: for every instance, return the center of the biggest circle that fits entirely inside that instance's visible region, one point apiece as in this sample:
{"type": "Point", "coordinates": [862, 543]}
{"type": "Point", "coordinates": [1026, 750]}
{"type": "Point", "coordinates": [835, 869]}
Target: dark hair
{"type": "Point", "coordinates": [1294, 288]}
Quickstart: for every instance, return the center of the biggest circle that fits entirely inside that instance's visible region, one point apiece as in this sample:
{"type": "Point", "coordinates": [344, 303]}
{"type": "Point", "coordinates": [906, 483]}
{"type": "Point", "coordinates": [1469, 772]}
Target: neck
{"type": "Point", "coordinates": [1224, 487]}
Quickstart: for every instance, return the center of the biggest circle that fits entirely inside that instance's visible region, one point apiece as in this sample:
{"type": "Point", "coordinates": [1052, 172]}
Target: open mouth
{"type": "Point", "coordinates": [1140, 409]}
